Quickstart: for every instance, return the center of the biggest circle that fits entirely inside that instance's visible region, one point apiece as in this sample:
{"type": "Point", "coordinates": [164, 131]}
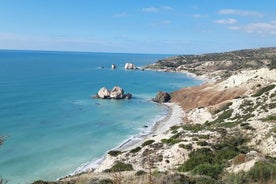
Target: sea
{"type": "Point", "coordinates": [51, 124]}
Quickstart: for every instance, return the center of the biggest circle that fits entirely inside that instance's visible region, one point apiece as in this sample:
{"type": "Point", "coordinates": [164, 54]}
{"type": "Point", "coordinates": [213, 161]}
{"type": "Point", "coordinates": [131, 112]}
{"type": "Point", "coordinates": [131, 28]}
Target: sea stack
{"type": "Point", "coordinates": [130, 66]}
{"type": "Point", "coordinates": [116, 93]}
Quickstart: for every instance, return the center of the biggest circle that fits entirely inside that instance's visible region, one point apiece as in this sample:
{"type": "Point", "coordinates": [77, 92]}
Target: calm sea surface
{"type": "Point", "coordinates": [52, 125]}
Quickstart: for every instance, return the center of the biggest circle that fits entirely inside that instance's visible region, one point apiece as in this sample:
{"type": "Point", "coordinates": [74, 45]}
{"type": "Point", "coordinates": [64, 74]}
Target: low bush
{"type": "Point", "coordinates": [270, 118]}
{"type": "Point", "coordinates": [263, 172]}
{"type": "Point", "coordinates": [148, 142]}
{"type": "Point", "coordinates": [202, 143]}
{"type": "Point", "coordinates": [114, 153]}
{"type": "Point", "coordinates": [193, 127]}
{"type": "Point", "coordinates": [212, 170]}
{"type": "Point", "coordinates": [263, 90]}
{"type": "Point", "coordinates": [120, 166]}
{"type": "Point", "coordinates": [170, 141]}
{"type": "Point", "coordinates": [140, 173]}
{"type": "Point", "coordinates": [135, 150]}
{"type": "Point", "coordinates": [186, 146]}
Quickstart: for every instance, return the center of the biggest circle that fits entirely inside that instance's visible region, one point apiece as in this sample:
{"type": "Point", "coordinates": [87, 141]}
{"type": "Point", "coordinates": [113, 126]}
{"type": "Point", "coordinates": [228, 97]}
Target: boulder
{"type": "Point", "coordinates": [162, 97]}
{"type": "Point", "coordinates": [103, 93]}
{"type": "Point", "coordinates": [116, 93]}
{"type": "Point", "coordinates": [127, 96]}
{"type": "Point", "coordinates": [113, 66]}
{"type": "Point", "coordinates": [130, 66]}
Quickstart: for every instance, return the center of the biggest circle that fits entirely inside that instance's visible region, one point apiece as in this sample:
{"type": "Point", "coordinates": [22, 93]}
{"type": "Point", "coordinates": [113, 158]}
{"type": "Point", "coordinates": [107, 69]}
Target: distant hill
{"type": "Point", "coordinates": [226, 61]}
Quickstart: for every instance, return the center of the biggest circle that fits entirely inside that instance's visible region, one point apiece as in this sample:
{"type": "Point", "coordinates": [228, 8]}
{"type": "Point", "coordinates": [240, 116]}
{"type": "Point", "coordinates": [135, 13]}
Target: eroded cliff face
{"type": "Point", "coordinates": [204, 96]}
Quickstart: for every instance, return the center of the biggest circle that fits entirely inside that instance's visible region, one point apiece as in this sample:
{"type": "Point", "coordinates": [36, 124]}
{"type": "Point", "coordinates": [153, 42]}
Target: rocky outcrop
{"type": "Point", "coordinates": [103, 93]}
{"type": "Point", "coordinates": [162, 97]}
{"type": "Point", "coordinates": [116, 93]}
{"type": "Point", "coordinates": [130, 66]}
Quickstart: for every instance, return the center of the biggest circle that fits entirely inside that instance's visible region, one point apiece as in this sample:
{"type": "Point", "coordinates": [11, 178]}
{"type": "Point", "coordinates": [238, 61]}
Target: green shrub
{"type": "Point", "coordinates": [174, 128]}
{"type": "Point", "coordinates": [225, 115]}
{"type": "Point", "coordinates": [193, 127]}
{"type": "Point", "coordinates": [202, 143]}
{"type": "Point", "coordinates": [135, 150]}
{"type": "Point", "coordinates": [270, 118]}
{"type": "Point", "coordinates": [208, 170]}
{"type": "Point", "coordinates": [263, 171]}
{"type": "Point", "coordinates": [186, 146]}
{"type": "Point", "coordinates": [263, 90]}
{"type": "Point", "coordinates": [114, 153]}
{"type": "Point", "coordinates": [272, 105]}
{"type": "Point", "coordinates": [120, 166]}
{"type": "Point", "coordinates": [170, 141]}
{"type": "Point", "coordinates": [197, 157]}
{"type": "Point", "coordinates": [148, 142]}
{"type": "Point", "coordinates": [140, 172]}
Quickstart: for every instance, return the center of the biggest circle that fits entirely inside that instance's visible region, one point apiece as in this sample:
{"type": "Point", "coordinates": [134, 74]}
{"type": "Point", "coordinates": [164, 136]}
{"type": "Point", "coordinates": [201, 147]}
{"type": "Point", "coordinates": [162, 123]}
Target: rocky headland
{"type": "Point", "coordinates": [223, 131]}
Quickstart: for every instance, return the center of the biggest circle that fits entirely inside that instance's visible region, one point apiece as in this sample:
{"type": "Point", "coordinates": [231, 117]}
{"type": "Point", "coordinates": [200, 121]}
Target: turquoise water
{"type": "Point", "coordinates": [53, 126]}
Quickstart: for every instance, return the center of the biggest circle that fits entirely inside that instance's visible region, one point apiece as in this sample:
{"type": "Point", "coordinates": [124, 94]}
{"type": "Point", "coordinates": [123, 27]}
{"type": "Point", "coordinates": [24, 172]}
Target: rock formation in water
{"type": "Point", "coordinates": [116, 93]}
{"type": "Point", "coordinates": [130, 66]}
{"type": "Point", "coordinates": [162, 97]}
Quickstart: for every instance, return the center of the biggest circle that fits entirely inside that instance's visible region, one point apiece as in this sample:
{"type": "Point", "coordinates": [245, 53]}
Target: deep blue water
{"type": "Point", "coordinates": [52, 125]}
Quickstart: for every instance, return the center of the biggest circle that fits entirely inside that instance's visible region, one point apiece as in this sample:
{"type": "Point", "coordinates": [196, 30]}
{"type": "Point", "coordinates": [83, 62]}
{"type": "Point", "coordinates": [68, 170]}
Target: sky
{"type": "Point", "coordinates": [137, 26]}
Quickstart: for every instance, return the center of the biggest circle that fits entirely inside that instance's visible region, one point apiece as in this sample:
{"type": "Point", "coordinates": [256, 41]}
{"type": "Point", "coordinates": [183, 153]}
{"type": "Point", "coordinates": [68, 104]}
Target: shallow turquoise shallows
{"type": "Point", "coordinates": [52, 125]}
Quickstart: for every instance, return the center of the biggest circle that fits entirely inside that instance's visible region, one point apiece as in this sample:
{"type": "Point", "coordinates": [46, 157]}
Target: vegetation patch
{"type": "Point", "coordinates": [202, 143]}
{"type": "Point", "coordinates": [208, 170]}
{"type": "Point", "coordinates": [140, 173]}
{"type": "Point", "coordinates": [170, 141]}
{"type": "Point", "coordinates": [114, 153]}
{"type": "Point", "coordinates": [119, 167]}
{"type": "Point", "coordinates": [211, 162]}
{"type": "Point", "coordinates": [193, 127]}
{"type": "Point", "coordinates": [174, 128]}
{"type": "Point", "coordinates": [270, 118]}
{"type": "Point", "coordinates": [186, 146]}
{"type": "Point", "coordinates": [263, 90]}
{"type": "Point", "coordinates": [148, 142]}
{"type": "Point", "coordinates": [262, 172]}
{"type": "Point", "coordinates": [135, 150]}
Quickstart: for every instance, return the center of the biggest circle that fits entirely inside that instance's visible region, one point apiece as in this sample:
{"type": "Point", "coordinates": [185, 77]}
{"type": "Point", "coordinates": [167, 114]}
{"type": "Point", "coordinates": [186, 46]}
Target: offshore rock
{"type": "Point", "coordinates": [113, 66]}
{"type": "Point", "coordinates": [103, 93]}
{"type": "Point", "coordinates": [130, 66]}
{"type": "Point", "coordinates": [162, 97]}
{"type": "Point", "coordinates": [116, 93]}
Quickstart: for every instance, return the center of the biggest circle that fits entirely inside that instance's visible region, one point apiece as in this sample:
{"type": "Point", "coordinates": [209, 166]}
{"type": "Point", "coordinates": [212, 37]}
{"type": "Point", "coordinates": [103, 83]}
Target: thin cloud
{"type": "Point", "coordinates": [240, 12]}
{"type": "Point", "coordinates": [163, 22]}
{"type": "Point", "coordinates": [122, 14]}
{"type": "Point", "coordinates": [226, 21]}
{"type": "Point", "coordinates": [156, 9]}
{"type": "Point", "coordinates": [167, 8]}
{"type": "Point", "coordinates": [197, 16]}
{"type": "Point", "coordinates": [150, 10]}
{"type": "Point", "coordinates": [262, 28]}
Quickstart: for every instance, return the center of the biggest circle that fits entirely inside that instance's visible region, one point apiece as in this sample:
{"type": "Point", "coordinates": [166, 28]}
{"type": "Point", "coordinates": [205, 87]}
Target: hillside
{"type": "Point", "coordinates": [219, 64]}
{"type": "Point", "coordinates": [223, 131]}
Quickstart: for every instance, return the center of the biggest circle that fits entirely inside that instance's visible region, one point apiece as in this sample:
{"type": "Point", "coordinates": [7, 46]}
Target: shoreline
{"type": "Point", "coordinates": [173, 117]}
{"type": "Point", "coordinates": [158, 129]}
